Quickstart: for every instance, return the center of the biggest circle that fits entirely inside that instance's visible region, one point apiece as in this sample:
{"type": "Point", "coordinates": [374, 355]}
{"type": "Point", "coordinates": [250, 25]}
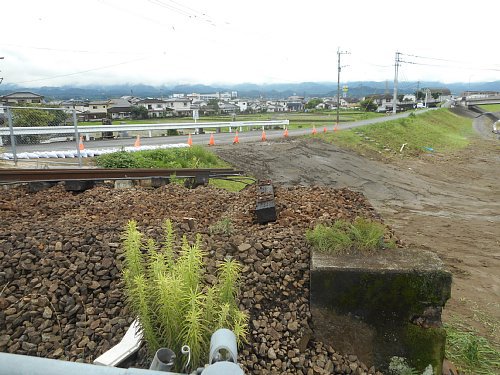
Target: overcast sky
{"type": "Point", "coordinates": [164, 42]}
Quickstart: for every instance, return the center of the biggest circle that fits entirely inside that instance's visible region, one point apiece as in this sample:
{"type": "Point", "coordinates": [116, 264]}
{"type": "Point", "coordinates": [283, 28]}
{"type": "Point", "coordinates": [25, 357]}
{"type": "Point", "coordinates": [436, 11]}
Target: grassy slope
{"type": "Point", "coordinates": [491, 107]}
{"type": "Point", "coordinates": [440, 131]}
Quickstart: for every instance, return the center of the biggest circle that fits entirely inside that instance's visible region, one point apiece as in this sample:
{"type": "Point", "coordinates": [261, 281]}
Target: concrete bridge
{"type": "Point", "coordinates": [470, 101]}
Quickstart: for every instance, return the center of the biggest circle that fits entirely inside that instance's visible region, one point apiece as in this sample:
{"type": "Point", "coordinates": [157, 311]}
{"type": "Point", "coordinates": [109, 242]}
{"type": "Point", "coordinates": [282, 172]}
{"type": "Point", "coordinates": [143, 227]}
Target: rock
{"type": "Point", "coordinates": [293, 326]}
{"type": "Point", "coordinates": [74, 258]}
{"type": "Point", "coordinates": [244, 247]}
{"type": "Point", "coordinates": [47, 313]}
{"type": "Point", "coordinates": [28, 346]}
{"type": "Point", "coordinates": [4, 340]}
{"type": "Point", "coordinates": [271, 354]}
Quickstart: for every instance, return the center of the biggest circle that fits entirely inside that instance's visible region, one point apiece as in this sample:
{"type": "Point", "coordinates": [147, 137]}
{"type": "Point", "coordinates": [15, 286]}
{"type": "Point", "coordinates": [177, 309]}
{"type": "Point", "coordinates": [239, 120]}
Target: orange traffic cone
{"type": "Point", "coordinates": [285, 134]}
{"type": "Point", "coordinates": [314, 130]}
{"type": "Point", "coordinates": [190, 141]}
{"type": "Point", "coordinates": [137, 142]}
{"type": "Point", "coordinates": [324, 129]}
{"type": "Point", "coordinates": [81, 146]}
{"type": "Point", "coordinates": [263, 135]}
{"type": "Point", "coordinates": [236, 139]}
{"type": "Point", "coordinates": [212, 141]}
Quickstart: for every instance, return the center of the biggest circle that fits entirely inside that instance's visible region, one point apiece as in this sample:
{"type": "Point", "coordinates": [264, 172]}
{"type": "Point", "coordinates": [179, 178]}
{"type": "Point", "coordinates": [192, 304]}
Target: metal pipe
{"type": "Point", "coordinates": [15, 364]}
{"type": "Point", "coordinates": [163, 360]}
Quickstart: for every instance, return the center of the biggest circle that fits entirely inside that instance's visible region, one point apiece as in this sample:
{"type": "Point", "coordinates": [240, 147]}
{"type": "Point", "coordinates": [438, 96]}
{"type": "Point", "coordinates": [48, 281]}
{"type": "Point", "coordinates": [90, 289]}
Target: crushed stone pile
{"type": "Point", "coordinates": [61, 260]}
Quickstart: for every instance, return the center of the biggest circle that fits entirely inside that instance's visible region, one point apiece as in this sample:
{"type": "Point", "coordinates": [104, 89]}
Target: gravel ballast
{"type": "Point", "coordinates": [61, 259]}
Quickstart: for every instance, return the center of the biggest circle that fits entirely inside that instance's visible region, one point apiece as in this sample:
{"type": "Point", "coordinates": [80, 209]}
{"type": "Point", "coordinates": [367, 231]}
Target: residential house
{"type": "Point", "coordinates": [241, 103]}
{"type": "Point", "coordinates": [156, 107]}
{"type": "Point", "coordinates": [295, 103]}
{"type": "Point", "coordinates": [21, 97]}
{"type": "Point", "coordinates": [119, 109]}
{"type": "Point", "coordinates": [180, 106]}
{"type": "Point", "coordinates": [276, 106]}
{"type": "Point", "coordinates": [97, 110]}
{"type": "Point", "coordinates": [225, 107]}
{"type": "Point", "coordinates": [80, 106]}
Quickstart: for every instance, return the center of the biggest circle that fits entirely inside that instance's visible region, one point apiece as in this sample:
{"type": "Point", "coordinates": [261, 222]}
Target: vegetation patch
{"type": "Point", "coordinates": [490, 107]}
{"type": "Point", "coordinates": [470, 352]}
{"type": "Point", "coordinates": [434, 131]}
{"type": "Point", "coordinates": [178, 157]}
{"type": "Point", "coordinates": [343, 237]}
{"type": "Point", "coordinates": [172, 303]}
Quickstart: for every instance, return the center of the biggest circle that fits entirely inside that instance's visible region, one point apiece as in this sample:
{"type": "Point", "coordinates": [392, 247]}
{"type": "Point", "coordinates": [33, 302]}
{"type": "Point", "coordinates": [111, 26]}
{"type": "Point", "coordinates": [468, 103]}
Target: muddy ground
{"type": "Point", "coordinates": [448, 204]}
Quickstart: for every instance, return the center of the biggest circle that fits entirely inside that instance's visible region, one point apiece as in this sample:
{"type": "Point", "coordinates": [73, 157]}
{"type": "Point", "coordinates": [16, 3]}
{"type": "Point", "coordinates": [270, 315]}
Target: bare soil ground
{"type": "Point", "coordinates": [448, 204]}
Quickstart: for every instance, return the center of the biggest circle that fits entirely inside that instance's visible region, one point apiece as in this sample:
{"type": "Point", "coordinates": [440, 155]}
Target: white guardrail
{"type": "Point", "coordinates": [84, 129]}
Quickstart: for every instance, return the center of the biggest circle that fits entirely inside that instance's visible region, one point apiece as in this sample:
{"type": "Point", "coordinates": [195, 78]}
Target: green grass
{"type": "Point", "coordinates": [182, 157]}
{"type": "Point", "coordinates": [470, 352]}
{"type": "Point", "coordinates": [234, 184]}
{"type": "Point", "coordinates": [490, 107]}
{"type": "Point", "coordinates": [342, 237]}
{"type": "Point", "coordinates": [434, 131]}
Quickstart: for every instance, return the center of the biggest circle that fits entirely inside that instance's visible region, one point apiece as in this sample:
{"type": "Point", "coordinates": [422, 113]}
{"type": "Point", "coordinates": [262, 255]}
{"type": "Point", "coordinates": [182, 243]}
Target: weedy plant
{"type": "Point", "coordinates": [470, 352]}
{"type": "Point", "coordinates": [166, 293]}
{"type": "Point", "coordinates": [343, 236]}
{"type": "Point", "coordinates": [223, 226]}
{"type": "Point", "coordinates": [399, 366]}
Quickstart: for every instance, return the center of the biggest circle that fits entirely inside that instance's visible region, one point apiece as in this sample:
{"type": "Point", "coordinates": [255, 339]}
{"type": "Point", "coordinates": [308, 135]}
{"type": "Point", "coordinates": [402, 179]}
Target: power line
{"type": "Point", "coordinates": [79, 72]}
{"type": "Point", "coordinates": [65, 50]}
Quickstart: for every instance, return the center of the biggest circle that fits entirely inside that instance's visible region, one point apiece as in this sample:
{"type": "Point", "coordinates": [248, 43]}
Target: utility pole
{"type": "Point", "coordinates": [396, 69]}
{"type": "Point", "coordinates": [1, 78]}
{"type": "Point", "coordinates": [418, 89]}
{"type": "Point", "coordinates": [339, 68]}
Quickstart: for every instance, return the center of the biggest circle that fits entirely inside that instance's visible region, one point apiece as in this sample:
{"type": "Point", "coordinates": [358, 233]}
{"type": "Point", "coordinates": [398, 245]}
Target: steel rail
{"type": "Point", "coordinates": [12, 175]}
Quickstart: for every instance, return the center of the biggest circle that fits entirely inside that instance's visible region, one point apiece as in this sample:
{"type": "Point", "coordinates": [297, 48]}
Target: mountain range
{"type": "Point", "coordinates": [248, 90]}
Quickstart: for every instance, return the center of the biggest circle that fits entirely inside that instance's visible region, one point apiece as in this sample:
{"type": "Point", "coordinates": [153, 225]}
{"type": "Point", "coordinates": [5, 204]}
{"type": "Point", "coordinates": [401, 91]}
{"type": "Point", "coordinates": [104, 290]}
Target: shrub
{"type": "Point", "coordinates": [166, 293]}
{"type": "Point", "coordinates": [343, 237]}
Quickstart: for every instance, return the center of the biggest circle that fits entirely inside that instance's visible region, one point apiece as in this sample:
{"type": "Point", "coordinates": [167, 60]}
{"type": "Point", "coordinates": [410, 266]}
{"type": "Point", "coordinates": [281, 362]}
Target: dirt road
{"type": "Point", "coordinates": [447, 204]}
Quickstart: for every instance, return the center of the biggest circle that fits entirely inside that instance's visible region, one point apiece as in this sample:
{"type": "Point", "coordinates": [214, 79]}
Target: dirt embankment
{"type": "Point", "coordinates": [446, 204]}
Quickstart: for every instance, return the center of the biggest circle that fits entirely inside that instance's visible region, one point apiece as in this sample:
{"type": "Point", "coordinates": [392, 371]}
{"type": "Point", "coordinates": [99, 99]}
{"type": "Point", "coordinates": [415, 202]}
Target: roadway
{"type": "Point", "coordinates": [197, 139]}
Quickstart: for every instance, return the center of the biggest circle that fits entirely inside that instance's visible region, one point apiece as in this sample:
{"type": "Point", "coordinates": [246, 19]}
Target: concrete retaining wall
{"type": "Point", "coordinates": [381, 306]}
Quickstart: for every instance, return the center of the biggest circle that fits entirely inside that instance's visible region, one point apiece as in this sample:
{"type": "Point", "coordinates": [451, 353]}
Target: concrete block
{"type": "Point", "coordinates": [124, 184]}
{"type": "Point", "coordinates": [382, 305]}
{"type": "Point", "coordinates": [78, 185]}
{"type": "Point", "coordinates": [35, 186]}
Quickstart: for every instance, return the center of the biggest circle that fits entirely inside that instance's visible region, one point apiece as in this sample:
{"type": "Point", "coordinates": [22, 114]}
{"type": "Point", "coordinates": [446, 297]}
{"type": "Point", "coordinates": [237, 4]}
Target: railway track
{"type": "Point", "coordinates": [10, 176]}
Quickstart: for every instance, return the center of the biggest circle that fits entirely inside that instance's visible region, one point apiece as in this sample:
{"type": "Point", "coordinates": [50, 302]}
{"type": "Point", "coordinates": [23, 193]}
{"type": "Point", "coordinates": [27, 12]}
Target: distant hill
{"type": "Point", "coordinates": [249, 90]}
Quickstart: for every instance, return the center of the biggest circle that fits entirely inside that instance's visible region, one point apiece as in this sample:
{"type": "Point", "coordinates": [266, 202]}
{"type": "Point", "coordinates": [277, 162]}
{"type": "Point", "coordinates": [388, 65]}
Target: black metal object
{"type": "Point", "coordinates": [265, 208]}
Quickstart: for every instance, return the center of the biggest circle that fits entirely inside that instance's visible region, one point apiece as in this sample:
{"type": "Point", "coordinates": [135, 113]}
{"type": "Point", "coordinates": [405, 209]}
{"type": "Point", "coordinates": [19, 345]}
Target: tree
{"type": "Point", "coordinates": [36, 116]}
{"type": "Point", "coordinates": [368, 105]}
{"type": "Point", "coordinates": [311, 104]}
{"type": "Point", "coordinates": [435, 95]}
{"type": "Point", "coordinates": [420, 95]}
{"type": "Point", "coordinates": [214, 104]}
{"type": "Point", "coordinates": [400, 97]}
{"type": "Point", "coordinates": [139, 112]}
